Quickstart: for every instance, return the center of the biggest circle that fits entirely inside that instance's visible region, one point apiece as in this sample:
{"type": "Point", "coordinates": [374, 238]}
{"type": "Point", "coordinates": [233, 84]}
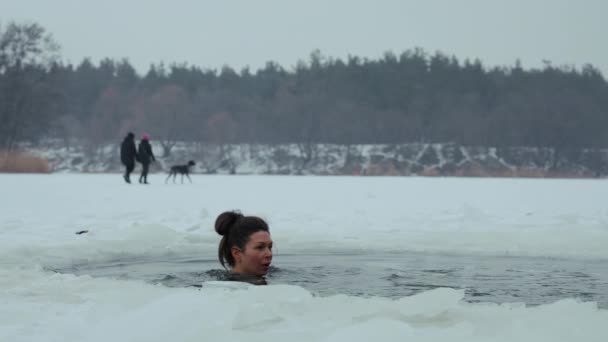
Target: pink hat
{"type": "Point", "coordinates": [146, 136]}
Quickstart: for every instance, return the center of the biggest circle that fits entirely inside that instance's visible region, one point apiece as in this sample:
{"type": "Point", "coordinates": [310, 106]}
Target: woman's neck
{"type": "Point", "coordinates": [238, 269]}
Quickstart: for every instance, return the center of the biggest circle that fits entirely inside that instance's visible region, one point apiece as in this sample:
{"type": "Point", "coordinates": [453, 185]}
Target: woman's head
{"type": "Point", "coordinates": [246, 245]}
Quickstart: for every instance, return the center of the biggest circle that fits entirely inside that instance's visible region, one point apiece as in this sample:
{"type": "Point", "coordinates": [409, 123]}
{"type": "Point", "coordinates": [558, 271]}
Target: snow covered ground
{"type": "Point", "coordinates": [562, 219]}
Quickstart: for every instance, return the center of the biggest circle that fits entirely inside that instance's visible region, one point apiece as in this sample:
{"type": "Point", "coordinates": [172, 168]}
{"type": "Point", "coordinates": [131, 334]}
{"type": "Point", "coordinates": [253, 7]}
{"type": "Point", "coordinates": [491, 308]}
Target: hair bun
{"type": "Point", "coordinates": [225, 222]}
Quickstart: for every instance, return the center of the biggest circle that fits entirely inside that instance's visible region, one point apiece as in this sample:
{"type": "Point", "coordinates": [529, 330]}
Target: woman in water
{"type": "Point", "coordinates": [246, 247]}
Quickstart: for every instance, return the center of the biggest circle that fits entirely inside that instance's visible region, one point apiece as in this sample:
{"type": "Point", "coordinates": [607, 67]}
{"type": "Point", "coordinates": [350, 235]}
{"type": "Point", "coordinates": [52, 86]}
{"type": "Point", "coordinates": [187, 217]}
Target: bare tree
{"type": "Point", "coordinates": [26, 52]}
{"type": "Point", "coordinates": [167, 116]}
{"type": "Point", "coordinates": [221, 130]}
{"type": "Point", "coordinates": [68, 128]}
{"type": "Point", "coordinates": [109, 113]}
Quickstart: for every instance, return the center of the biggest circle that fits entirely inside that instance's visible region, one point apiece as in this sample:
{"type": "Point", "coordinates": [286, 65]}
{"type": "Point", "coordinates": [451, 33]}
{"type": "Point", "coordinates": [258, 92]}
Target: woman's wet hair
{"type": "Point", "coordinates": [236, 229]}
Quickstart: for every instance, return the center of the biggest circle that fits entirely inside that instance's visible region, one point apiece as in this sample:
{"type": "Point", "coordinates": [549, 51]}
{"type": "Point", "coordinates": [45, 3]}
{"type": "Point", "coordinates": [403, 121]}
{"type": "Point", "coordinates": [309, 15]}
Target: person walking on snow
{"type": "Point", "coordinates": [128, 155]}
{"type": "Point", "coordinates": [145, 157]}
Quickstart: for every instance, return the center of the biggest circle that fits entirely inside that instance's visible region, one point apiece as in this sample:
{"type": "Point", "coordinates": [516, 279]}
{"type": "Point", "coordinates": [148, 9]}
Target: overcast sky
{"type": "Point", "coordinates": [250, 32]}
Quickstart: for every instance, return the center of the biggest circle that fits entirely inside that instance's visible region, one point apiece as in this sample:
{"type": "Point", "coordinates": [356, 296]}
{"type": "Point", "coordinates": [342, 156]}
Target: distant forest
{"type": "Point", "coordinates": [413, 96]}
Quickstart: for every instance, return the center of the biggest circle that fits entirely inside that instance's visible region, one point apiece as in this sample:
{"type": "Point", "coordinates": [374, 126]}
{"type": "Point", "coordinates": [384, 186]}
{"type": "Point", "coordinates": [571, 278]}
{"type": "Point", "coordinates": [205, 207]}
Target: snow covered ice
{"type": "Point", "coordinates": [563, 221]}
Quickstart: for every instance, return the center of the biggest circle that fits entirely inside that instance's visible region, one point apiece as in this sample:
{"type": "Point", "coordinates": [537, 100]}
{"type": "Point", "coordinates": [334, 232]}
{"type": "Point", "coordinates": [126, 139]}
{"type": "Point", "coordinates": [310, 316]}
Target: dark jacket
{"type": "Point", "coordinates": [145, 152]}
{"type": "Point", "coordinates": [128, 152]}
{"type": "Point", "coordinates": [245, 278]}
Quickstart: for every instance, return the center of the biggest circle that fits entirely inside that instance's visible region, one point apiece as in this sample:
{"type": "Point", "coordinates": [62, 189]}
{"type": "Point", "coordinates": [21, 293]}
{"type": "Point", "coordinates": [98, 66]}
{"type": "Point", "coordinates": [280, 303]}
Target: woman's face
{"type": "Point", "coordinates": [255, 259]}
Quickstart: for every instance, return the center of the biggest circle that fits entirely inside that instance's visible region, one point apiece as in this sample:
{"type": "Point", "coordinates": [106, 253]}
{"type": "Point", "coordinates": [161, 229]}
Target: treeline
{"type": "Point", "coordinates": [413, 96]}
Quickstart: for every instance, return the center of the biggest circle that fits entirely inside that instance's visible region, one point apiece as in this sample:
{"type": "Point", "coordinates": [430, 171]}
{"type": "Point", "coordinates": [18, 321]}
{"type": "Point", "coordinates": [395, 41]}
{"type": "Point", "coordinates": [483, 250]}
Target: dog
{"type": "Point", "coordinates": [182, 170]}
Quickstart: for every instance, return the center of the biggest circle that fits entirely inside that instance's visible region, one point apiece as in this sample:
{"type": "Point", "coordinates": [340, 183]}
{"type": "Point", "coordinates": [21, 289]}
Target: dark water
{"type": "Point", "coordinates": [485, 279]}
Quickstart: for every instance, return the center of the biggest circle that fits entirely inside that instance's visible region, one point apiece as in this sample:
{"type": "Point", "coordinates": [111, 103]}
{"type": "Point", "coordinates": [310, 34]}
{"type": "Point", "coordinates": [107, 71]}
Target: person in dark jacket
{"type": "Point", "coordinates": [145, 157]}
{"type": "Point", "coordinates": [128, 155]}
